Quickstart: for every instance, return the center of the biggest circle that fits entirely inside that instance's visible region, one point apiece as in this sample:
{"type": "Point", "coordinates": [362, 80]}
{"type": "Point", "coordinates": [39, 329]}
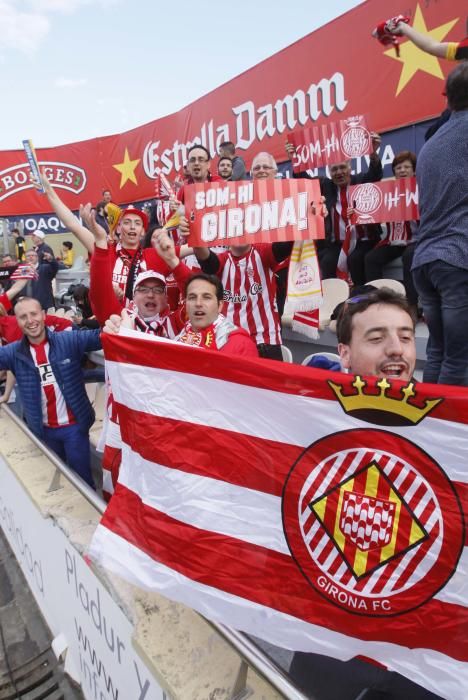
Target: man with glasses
{"type": "Point", "coordinates": [198, 169]}
{"type": "Point", "coordinates": [338, 229]}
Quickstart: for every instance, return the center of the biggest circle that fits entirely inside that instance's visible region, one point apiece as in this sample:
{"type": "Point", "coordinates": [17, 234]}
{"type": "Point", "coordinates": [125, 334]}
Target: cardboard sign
{"type": "Point", "coordinates": [379, 202]}
{"type": "Point", "coordinates": [261, 211]}
{"type": "Point", "coordinates": [330, 143]}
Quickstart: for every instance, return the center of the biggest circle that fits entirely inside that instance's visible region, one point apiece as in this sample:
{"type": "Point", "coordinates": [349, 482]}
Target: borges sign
{"type": "Point", "coordinates": [253, 212]}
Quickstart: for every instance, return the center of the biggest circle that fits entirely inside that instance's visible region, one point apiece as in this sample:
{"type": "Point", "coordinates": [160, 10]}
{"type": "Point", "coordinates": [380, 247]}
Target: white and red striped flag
{"type": "Point", "coordinates": [319, 511]}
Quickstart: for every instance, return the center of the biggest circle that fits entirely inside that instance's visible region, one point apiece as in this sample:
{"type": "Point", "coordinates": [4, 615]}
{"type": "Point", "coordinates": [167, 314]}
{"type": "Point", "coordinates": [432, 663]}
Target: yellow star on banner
{"type": "Point", "coordinates": [127, 169]}
{"type": "Point", "coordinates": [413, 59]}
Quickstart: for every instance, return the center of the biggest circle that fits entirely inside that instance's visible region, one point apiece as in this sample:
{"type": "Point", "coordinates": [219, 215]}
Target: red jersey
{"type": "Point", "coordinates": [221, 335]}
{"type": "Point", "coordinates": [55, 412]}
{"type": "Point", "coordinates": [140, 258]}
{"type": "Point", "coordinates": [250, 292]}
{"type": "Point", "coordinates": [6, 303]}
{"type": "Point", "coordinates": [105, 303]}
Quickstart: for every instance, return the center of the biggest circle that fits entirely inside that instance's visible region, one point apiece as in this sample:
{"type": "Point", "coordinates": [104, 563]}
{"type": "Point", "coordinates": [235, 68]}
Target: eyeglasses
{"type": "Point", "coordinates": [256, 168]}
{"type": "Point", "coordinates": [197, 160]}
{"type": "Point", "coordinates": [150, 290]}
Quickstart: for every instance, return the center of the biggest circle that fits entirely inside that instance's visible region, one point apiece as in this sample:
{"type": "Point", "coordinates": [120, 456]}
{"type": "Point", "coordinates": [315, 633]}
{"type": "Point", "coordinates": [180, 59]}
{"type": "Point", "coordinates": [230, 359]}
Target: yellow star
{"type": "Point", "coordinates": [127, 169]}
{"type": "Point", "coordinates": [414, 59]}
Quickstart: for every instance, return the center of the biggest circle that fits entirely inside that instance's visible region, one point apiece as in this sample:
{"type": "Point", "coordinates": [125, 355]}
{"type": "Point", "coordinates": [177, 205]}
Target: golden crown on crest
{"type": "Point", "coordinates": [381, 408]}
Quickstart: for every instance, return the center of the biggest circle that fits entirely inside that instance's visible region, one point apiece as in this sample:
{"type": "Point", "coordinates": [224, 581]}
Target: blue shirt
{"type": "Point", "coordinates": [442, 174]}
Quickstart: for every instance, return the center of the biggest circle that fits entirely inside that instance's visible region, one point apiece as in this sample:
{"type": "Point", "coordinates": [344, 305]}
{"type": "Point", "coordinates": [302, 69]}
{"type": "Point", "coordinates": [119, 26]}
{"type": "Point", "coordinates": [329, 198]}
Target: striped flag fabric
{"type": "Point", "coordinates": [320, 511]}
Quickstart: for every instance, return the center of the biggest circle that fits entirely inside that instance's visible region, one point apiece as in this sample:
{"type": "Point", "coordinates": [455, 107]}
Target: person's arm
{"type": "Point", "coordinates": [102, 296]}
{"type": "Point", "coordinates": [86, 340]}
{"type": "Point", "coordinates": [240, 344]}
{"type": "Point", "coordinates": [165, 248]}
{"type": "Point", "coordinates": [374, 172]}
{"type": "Point", "coordinates": [423, 41]}
{"type": "Point", "coordinates": [15, 289]}
{"type": "Point", "coordinates": [9, 386]}
{"type": "Point", "coordinates": [281, 250]}
{"type": "Point", "coordinates": [69, 220]}
{"type": "Point", "coordinates": [7, 356]}
{"type": "Point", "coordinates": [50, 264]}
{"type": "Point", "coordinates": [201, 254]}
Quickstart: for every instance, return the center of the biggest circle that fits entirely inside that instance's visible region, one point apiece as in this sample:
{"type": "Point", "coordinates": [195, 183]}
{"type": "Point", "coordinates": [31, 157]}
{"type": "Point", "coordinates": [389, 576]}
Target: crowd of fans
{"type": "Point", "coordinates": [146, 276]}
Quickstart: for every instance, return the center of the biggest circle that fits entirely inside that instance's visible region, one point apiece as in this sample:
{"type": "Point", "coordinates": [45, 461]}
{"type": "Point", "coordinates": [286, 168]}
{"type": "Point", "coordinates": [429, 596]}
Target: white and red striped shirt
{"type": "Point", "coordinates": [250, 292]}
{"type": "Point", "coordinates": [398, 233]}
{"type": "Point", "coordinates": [55, 412]}
{"type": "Point", "coordinates": [340, 219]}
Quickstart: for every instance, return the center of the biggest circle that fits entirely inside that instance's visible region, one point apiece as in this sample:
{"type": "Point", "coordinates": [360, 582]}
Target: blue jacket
{"type": "Point", "coordinates": [66, 351]}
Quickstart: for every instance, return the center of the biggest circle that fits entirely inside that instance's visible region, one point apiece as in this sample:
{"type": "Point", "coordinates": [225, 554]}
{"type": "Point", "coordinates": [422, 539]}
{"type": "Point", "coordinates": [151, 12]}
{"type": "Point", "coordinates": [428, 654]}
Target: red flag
{"type": "Point", "coordinates": [390, 200]}
{"type": "Point", "coordinates": [335, 142]}
{"type": "Point", "coordinates": [319, 511]}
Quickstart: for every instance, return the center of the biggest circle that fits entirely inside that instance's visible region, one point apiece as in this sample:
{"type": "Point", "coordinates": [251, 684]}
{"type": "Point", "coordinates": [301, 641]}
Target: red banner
{"type": "Point", "coordinates": [262, 211]}
{"type": "Point", "coordinates": [330, 143]}
{"type": "Point", "coordinates": [305, 85]}
{"type": "Point", "coordinates": [390, 200]}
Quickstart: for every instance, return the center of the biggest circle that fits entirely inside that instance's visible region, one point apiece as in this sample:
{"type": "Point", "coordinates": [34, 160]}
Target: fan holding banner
{"type": "Point", "coordinates": [342, 252]}
{"type": "Point", "coordinates": [259, 220]}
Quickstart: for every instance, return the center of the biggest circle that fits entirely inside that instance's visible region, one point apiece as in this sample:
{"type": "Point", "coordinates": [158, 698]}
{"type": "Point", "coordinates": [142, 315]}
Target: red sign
{"type": "Point", "coordinates": [330, 143]}
{"type": "Point", "coordinates": [262, 211]}
{"type": "Point", "coordinates": [303, 86]}
{"type": "Point", "coordinates": [391, 200]}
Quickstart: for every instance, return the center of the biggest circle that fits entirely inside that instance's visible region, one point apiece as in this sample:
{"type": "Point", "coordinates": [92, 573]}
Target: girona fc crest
{"type": "Point", "coordinates": [367, 522]}
{"type": "Point", "coordinates": [373, 523]}
{"type": "Point", "coordinates": [355, 140]}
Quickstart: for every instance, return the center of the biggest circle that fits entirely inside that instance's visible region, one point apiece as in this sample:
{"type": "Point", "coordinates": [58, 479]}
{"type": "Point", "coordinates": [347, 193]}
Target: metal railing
{"type": "Point", "coordinates": [245, 647]}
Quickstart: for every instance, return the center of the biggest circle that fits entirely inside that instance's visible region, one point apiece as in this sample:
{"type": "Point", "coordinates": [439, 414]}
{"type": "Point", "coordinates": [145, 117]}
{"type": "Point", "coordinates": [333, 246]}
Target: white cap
{"type": "Point", "coordinates": [39, 234]}
{"type": "Point", "coordinates": [149, 275]}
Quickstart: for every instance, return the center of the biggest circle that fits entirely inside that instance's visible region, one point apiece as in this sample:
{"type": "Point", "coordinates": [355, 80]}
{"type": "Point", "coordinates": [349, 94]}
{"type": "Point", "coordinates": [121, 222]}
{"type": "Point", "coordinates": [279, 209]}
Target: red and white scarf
{"type": "Point", "coordinates": [304, 296]}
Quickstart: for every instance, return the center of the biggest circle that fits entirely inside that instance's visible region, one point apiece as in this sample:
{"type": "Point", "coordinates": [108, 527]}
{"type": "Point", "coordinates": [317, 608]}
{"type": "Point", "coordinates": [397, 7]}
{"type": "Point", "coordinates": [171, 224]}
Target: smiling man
{"type": "Point", "coordinates": [206, 326]}
{"type": "Point", "coordinates": [47, 367]}
{"type": "Point", "coordinates": [376, 336]}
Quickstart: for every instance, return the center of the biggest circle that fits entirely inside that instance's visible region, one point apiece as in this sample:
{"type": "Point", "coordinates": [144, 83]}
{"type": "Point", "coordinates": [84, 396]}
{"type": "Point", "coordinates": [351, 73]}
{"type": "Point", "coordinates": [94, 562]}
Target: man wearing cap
{"type": "Point", "coordinates": [128, 256]}
{"type": "Point", "coordinates": [40, 246]}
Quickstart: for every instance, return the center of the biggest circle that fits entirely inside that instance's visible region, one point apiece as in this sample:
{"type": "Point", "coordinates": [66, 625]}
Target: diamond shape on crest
{"type": "Point", "coordinates": [367, 520]}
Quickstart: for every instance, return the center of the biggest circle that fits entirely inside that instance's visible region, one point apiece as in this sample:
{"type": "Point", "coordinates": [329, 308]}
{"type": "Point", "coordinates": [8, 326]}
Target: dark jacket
{"type": "Point", "coordinates": [41, 249]}
{"type": "Point", "coordinates": [66, 351]}
{"type": "Point", "coordinates": [41, 289]}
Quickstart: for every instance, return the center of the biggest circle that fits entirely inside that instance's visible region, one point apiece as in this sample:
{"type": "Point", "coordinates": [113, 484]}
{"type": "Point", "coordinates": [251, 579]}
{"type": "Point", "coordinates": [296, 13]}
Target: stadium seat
{"type": "Point", "coordinates": [335, 291]}
{"type": "Point", "coordinates": [287, 354]}
{"type": "Point", "coordinates": [329, 355]}
{"type": "Point", "coordinates": [394, 285]}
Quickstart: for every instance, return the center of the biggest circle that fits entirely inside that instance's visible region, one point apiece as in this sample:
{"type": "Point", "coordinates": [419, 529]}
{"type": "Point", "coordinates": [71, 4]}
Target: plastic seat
{"type": "Point", "coordinates": [394, 285]}
{"type": "Point", "coordinates": [329, 355]}
{"type": "Point", "coordinates": [335, 291]}
{"type": "Point", "coordinates": [287, 354]}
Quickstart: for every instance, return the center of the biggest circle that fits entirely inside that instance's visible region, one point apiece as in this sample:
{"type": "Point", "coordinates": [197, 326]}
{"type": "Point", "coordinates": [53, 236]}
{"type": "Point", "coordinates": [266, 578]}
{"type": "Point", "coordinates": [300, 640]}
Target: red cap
{"type": "Point", "coordinates": [137, 212]}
